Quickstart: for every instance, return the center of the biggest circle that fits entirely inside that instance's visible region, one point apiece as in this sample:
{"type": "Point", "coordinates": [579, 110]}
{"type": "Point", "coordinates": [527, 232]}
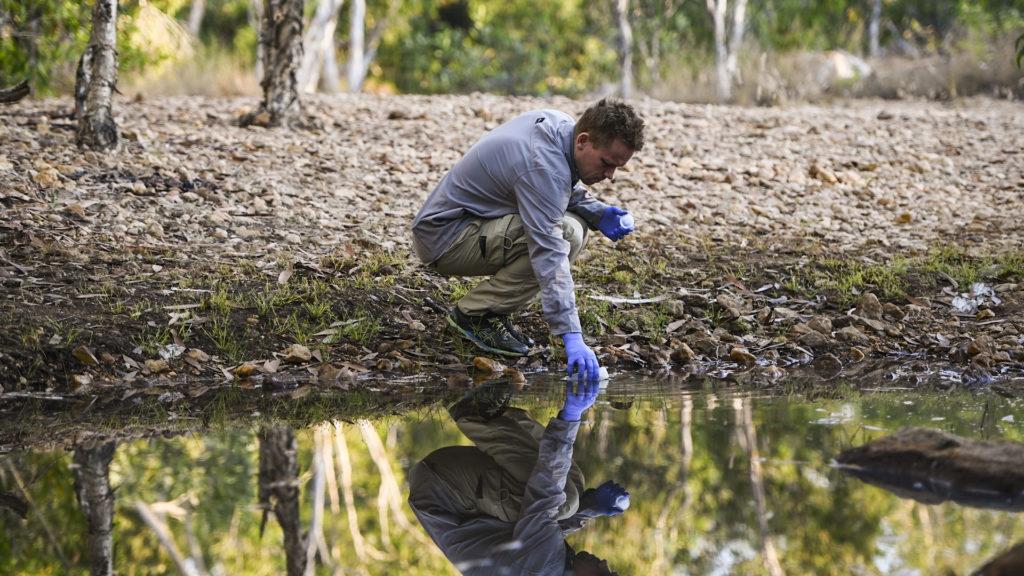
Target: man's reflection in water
{"type": "Point", "coordinates": [505, 505]}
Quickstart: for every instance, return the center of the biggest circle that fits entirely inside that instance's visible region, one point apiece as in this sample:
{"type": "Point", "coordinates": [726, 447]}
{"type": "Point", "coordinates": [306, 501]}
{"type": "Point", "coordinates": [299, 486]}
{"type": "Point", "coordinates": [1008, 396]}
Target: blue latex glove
{"type": "Point", "coordinates": [581, 359]}
{"type": "Point", "coordinates": [608, 499]}
{"type": "Point", "coordinates": [578, 397]}
{"type": "Point", "coordinates": [611, 224]}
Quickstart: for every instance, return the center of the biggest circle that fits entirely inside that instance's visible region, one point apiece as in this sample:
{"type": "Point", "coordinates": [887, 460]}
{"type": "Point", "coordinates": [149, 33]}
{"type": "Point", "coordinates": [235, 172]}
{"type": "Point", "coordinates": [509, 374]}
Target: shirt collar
{"type": "Point", "coordinates": [570, 150]}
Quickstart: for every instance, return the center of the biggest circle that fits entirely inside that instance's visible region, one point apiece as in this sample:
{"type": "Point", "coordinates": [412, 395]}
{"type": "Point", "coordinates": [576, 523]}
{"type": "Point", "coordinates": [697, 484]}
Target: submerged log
{"type": "Point", "coordinates": [932, 466]}
{"type": "Point", "coordinates": [1009, 563]}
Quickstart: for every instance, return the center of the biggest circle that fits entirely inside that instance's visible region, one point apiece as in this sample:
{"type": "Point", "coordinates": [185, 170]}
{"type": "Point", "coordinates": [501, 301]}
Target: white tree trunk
{"type": "Point", "coordinates": [318, 42]}
{"type": "Point", "coordinates": [356, 46]}
{"type": "Point", "coordinates": [96, 498]}
{"type": "Point", "coordinates": [256, 21]}
{"type": "Point", "coordinates": [625, 48]}
{"type": "Point", "coordinates": [873, 25]}
{"type": "Point", "coordinates": [739, 18]}
{"type": "Point", "coordinates": [96, 126]}
{"type": "Point", "coordinates": [717, 9]}
{"type": "Point", "coordinates": [195, 16]}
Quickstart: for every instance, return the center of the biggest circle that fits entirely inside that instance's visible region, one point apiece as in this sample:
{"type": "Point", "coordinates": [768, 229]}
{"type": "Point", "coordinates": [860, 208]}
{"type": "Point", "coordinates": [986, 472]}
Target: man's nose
{"type": "Point", "coordinates": [610, 173]}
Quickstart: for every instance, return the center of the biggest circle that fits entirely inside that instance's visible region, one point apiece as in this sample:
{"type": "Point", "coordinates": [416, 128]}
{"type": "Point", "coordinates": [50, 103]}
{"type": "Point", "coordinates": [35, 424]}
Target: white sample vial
{"type": "Point", "coordinates": [622, 502]}
{"type": "Point", "coordinates": [626, 221]}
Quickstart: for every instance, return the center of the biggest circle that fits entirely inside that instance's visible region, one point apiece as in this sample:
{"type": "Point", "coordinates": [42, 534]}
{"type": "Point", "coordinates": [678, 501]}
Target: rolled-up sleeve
{"type": "Point", "coordinates": [542, 205]}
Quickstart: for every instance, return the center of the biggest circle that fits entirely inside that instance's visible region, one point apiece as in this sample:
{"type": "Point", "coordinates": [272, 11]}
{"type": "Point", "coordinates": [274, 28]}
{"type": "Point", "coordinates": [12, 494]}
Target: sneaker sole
{"type": "Point", "coordinates": [480, 343]}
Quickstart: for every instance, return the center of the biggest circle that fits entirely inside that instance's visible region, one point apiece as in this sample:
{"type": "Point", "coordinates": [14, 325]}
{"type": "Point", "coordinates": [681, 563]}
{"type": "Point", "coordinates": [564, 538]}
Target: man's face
{"type": "Point", "coordinates": [595, 164]}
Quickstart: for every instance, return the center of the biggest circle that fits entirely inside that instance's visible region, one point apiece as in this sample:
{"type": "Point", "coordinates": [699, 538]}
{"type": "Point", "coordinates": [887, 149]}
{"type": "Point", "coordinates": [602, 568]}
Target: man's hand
{"type": "Point", "coordinates": [615, 223]}
{"type": "Point", "coordinates": [609, 499]}
{"type": "Point", "coordinates": [578, 397]}
{"type": "Point", "coordinates": [581, 359]}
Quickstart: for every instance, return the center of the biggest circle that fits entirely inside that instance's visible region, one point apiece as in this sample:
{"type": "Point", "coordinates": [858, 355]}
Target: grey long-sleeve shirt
{"type": "Point", "coordinates": [524, 166]}
{"type": "Point", "coordinates": [482, 544]}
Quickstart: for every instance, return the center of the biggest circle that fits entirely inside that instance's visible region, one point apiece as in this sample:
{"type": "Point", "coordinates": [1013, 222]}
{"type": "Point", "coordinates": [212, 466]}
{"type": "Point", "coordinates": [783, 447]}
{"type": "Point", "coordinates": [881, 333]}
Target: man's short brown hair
{"type": "Point", "coordinates": [612, 119]}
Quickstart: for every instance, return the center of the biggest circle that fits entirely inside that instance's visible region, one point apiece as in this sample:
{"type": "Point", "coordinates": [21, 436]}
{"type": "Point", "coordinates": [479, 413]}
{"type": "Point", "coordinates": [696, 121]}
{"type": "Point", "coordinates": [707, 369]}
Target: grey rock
{"type": "Point", "coordinates": [869, 307]}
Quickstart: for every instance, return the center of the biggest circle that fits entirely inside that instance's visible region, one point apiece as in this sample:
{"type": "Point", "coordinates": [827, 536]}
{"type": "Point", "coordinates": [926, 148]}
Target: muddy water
{"type": "Point", "coordinates": [720, 482]}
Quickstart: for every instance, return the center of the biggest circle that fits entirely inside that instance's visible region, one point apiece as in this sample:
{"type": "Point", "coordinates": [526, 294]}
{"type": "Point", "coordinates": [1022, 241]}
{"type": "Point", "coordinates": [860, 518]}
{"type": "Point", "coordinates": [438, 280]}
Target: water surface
{"type": "Point", "coordinates": [722, 482]}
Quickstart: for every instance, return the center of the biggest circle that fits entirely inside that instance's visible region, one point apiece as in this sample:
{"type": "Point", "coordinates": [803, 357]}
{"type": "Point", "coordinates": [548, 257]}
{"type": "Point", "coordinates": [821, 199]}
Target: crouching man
{"type": "Point", "coordinates": [515, 208]}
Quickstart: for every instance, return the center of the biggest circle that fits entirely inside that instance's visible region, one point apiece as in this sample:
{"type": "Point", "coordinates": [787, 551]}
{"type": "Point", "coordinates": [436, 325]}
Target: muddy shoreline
{"type": "Point", "coordinates": [770, 241]}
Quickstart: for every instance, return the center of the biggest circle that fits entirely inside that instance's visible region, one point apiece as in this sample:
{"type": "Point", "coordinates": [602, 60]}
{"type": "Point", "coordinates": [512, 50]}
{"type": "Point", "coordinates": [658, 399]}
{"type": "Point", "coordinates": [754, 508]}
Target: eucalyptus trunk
{"type": "Point", "coordinates": [95, 497]}
{"type": "Point", "coordinates": [195, 16]}
{"type": "Point", "coordinates": [356, 45]}
{"type": "Point", "coordinates": [873, 26]}
{"type": "Point", "coordinates": [281, 51]}
{"type": "Point", "coordinates": [717, 9]}
{"type": "Point", "coordinates": [625, 48]}
{"type": "Point", "coordinates": [279, 491]}
{"type": "Point", "coordinates": [96, 126]}
{"type": "Point", "coordinates": [318, 49]}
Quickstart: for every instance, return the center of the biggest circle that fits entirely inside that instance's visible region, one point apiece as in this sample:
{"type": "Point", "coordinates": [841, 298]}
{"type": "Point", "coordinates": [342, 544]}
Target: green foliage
{"type": "Point", "coordinates": [509, 47]}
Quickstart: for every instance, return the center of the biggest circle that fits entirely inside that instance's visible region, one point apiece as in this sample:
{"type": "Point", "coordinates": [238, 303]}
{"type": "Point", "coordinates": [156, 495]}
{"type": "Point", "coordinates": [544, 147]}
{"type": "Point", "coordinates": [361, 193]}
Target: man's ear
{"type": "Point", "coordinates": [583, 138]}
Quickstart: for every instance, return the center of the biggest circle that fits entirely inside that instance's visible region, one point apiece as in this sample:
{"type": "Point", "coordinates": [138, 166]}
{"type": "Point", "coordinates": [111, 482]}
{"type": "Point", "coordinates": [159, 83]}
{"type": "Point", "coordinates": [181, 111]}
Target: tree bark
{"type": "Point", "coordinates": [318, 48]}
{"type": "Point", "coordinates": [279, 491]}
{"type": "Point", "coordinates": [195, 16]}
{"type": "Point", "coordinates": [739, 21]}
{"type": "Point", "coordinates": [873, 26]}
{"type": "Point", "coordinates": [92, 485]}
{"type": "Point", "coordinates": [281, 44]}
{"type": "Point", "coordinates": [717, 9]}
{"type": "Point", "coordinates": [625, 48]}
{"type": "Point", "coordinates": [356, 45]}
{"type": "Point", "coordinates": [96, 126]}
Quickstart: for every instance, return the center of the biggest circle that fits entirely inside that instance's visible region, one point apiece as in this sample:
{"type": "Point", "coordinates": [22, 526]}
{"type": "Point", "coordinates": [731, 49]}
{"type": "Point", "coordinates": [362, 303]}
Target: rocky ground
{"type": "Point", "coordinates": [202, 254]}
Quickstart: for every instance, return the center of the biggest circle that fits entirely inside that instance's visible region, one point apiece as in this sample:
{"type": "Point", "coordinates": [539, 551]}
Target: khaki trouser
{"type": "Point", "coordinates": [491, 477]}
{"type": "Point", "coordinates": [498, 248]}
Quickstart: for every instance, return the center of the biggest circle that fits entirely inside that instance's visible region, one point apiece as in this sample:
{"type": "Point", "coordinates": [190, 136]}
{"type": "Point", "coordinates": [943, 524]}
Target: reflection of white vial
{"type": "Point", "coordinates": [622, 503]}
{"type": "Point", "coordinates": [602, 373]}
{"type": "Point", "coordinates": [626, 221]}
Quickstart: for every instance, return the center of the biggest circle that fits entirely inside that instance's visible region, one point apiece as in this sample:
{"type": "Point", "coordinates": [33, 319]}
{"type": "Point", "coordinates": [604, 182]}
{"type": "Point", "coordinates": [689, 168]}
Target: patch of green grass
{"type": "Point", "coordinates": [224, 339]}
{"type": "Point", "coordinates": [152, 340]}
{"type": "Point", "coordinates": [219, 301]}
{"type": "Point", "coordinates": [363, 330]}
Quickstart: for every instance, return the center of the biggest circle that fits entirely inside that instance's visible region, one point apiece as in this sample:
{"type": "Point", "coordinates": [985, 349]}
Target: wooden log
{"type": "Point", "coordinates": [932, 466]}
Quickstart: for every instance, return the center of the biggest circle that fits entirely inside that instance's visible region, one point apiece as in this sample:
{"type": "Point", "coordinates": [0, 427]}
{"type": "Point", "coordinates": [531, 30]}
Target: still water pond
{"type": "Point", "coordinates": [720, 482]}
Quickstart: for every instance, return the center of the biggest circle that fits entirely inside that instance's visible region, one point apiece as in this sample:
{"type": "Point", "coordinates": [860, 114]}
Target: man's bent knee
{"type": "Point", "coordinates": [574, 230]}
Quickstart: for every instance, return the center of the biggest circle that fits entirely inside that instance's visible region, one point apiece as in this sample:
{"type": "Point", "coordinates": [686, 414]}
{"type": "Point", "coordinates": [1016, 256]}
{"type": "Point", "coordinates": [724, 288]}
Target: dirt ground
{"type": "Point", "coordinates": [203, 253]}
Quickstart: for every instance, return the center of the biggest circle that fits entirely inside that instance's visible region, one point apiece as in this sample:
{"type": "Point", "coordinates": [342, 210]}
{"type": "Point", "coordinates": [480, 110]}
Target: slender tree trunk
{"type": "Point", "coordinates": [356, 45]}
{"type": "Point", "coordinates": [625, 48]}
{"type": "Point", "coordinates": [748, 439]}
{"type": "Point", "coordinates": [318, 47]}
{"type": "Point", "coordinates": [96, 126]}
{"type": "Point", "coordinates": [195, 16]}
{"type": "Point", "coordinates": [279, 491]}
{"type": "Point", "coordinates": [281, 41]}
{"type": "Point", "coordinates": [717, 9]}
{"type": "Point", "coordinates": [873, 25]}
{"type": "Point", "coordinates": [739, 21]}
{"type": "Point", "coordinates": [92, 485]}
{"type": "Point", "coordinates": [256, 22]}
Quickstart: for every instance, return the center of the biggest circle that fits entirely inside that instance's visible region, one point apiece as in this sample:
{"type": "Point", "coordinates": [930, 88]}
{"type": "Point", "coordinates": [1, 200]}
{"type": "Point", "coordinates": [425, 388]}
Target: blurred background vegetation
{"type": "Point", "coordinates": [928, 48]}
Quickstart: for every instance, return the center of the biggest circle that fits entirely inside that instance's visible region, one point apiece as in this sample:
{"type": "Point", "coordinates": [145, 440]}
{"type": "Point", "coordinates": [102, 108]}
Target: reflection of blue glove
{"type": "Point", "coordinates": [609, 499]}
{"type": "Point", "coordinates": [578, 400]}
{"type": "Point", "coordinates": [581, 359]}
{"type": "Point", "coordinates": [612, 225]}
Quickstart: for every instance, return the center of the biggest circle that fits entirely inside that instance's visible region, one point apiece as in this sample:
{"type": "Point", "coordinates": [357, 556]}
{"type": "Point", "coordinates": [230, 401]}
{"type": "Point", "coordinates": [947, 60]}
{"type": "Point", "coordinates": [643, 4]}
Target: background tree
{"type": "Point", "coordinates": [281, 51]}
{"type": "Point", "coordinates": [728, 38]}
{"type": "Point", "coordinates": [96, 126]}
{"type": "Point", "coordinates": [96, 499]}
{"type": "Point", "coordinates": [279, 491]}
{"type": "Point", "coordinates": [625, 48]}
